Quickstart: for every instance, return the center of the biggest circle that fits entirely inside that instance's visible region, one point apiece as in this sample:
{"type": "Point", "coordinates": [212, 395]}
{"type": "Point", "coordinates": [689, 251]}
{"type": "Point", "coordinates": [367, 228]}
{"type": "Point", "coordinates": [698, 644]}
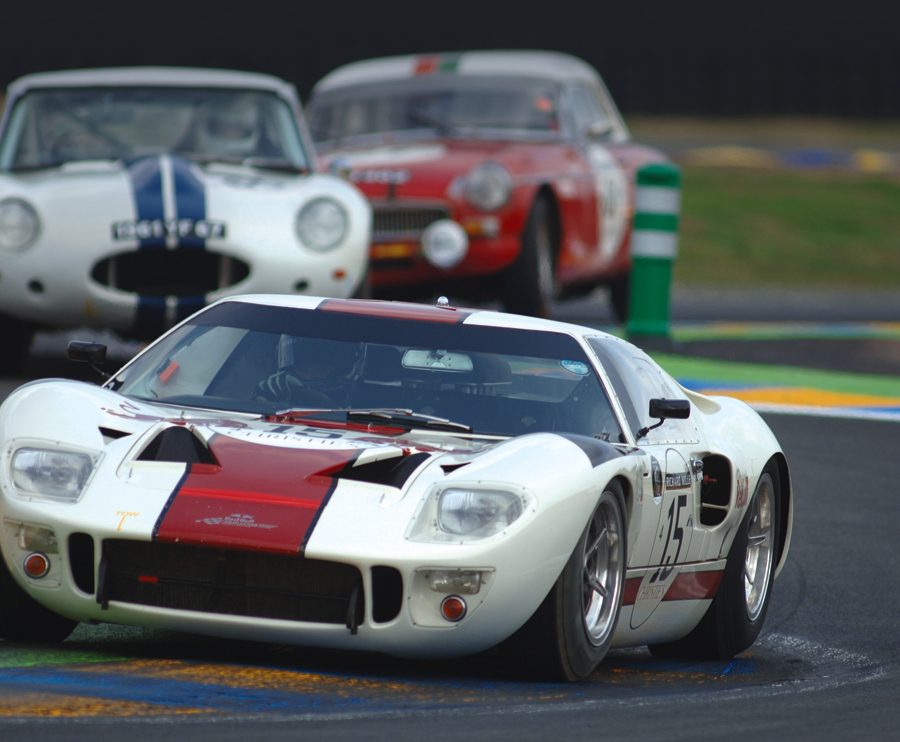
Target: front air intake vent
{"type": "Point", "coordinates": [177, 445]}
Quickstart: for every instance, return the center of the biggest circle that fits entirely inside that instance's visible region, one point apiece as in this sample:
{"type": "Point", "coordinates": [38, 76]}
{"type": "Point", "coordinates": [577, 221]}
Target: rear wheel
{"type": "Point", "coordinates": [23, 619]}
{"type": "Point", "coordinates": [571, 632]}
{"type": "Point", "coordinates": [529, 285]}
{"type": "Point", "coordinates": [736, 615]}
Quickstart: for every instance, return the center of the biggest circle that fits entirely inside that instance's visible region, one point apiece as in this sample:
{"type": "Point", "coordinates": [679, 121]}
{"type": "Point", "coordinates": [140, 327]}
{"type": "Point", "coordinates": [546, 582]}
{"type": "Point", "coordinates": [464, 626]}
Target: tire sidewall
{"type": "Point", "coordinates": [582, 655]}
{"type": "Point", "coordinates": [736, 630]}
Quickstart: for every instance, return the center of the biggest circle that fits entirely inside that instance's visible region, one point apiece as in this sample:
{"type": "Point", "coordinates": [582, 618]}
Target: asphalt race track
{"type": "Point", "coordinates": [827, 666]}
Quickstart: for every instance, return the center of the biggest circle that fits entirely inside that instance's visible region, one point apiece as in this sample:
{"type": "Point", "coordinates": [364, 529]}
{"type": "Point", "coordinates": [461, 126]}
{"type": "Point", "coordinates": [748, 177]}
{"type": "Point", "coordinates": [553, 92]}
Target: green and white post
{"type": "Point", "coordinates": [654, 246]}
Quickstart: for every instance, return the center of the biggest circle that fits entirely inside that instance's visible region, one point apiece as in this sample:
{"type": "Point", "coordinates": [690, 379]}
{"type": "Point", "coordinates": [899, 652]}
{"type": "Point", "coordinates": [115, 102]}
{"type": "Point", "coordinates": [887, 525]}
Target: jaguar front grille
{"type": "Point", "coordinates": [161, 272]}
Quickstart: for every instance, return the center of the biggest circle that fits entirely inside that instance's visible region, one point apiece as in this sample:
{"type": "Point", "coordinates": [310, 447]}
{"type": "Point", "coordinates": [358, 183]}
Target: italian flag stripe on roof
{"type": "Point", "coordinates": [436, 63]}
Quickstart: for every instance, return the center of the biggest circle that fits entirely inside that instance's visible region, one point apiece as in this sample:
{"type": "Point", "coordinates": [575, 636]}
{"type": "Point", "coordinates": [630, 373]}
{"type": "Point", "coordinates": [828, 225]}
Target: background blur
{"type": "Point", "coordinates": [696, 57]}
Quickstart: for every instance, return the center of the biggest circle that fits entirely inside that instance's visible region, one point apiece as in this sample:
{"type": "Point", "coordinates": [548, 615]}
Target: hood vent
{"type": "Point", "coordinates": [178, 445]}
{"type": "Point", "coordinates": [392, 472]}
{"type": "Point", "coordinates": [110, 434]}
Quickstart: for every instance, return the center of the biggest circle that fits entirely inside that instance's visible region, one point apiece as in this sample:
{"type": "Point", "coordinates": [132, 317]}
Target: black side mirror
{"type": "Point", "coordinates": [665, 409]}
{"type": "Point", "coordinates": [85, 351]}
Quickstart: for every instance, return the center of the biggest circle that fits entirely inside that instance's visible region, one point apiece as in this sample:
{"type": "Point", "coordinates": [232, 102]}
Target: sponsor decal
{"type": "Point", "coordinates": [300, 437]}
{"type": "Point", "coordinates": [686, 586]}
{"type": "Point", "coordinates": [678, 481]}
{"type": "Point", "coordinates": [576, 367]}
{"type": "Point", "coordinates": [237, 520]}
{"type": "Point", "coordinates": [123, 515]}
{"type": "Point", "coordinates": [656, 475]}
{"type": "Point", "coordinates": [161, 229]}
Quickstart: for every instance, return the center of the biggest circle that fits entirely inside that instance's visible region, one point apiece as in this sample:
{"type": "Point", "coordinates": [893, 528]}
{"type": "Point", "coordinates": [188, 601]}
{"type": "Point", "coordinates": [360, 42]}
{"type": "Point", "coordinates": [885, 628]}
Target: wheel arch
{"type": "Point", "coordinates": [778, 464]}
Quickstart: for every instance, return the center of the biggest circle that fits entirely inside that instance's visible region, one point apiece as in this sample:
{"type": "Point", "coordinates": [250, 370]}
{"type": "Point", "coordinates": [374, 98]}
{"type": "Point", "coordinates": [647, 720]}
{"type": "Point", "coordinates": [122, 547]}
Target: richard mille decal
{"type": "Point", "coordinates": [239, 520]}
{"type": "Point", "coordinates": [678, 481]}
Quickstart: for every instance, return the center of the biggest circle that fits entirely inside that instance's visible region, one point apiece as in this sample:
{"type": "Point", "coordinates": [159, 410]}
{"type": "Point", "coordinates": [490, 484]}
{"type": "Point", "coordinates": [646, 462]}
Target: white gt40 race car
{"type": "Point", "coordinates": [131, 197]}
{"type": "Point", "coordinates": [415, 480]}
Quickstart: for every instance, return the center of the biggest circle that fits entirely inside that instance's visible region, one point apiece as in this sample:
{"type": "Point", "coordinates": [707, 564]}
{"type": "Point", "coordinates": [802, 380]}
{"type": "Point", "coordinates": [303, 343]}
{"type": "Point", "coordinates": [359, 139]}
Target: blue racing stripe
{"type": "Point", "coordinates": [190, 200]}
{"type": "Point", "coordinates": [146, 185]}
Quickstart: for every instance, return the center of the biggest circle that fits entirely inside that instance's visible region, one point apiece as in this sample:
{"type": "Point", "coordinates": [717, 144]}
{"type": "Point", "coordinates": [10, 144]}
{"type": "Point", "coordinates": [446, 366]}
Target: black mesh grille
{"type": "Point", "coordinates": [242, 583]}
{"type": "Point", "coordinates": [160, 272]}
{"type": "Point", "coordinates": [391, 222]}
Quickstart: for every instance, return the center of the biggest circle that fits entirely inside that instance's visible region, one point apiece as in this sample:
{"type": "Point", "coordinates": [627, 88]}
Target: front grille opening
{"type": "Point", "coordinates": [715, 491]}
{"type": "Point", "coordinates": [159, 272]}
{"type": "Point", "coordinates": [81, 561]}
{"type": "Point", "coordinates": [240, 583]}
{"type": "Point", "coordinates": [387, 594]}
{"type": "Point", "coordinates": [397, 222]}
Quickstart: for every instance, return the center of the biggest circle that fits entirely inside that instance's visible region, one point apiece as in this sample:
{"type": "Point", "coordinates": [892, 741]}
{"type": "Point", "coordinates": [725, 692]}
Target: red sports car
{"type": "Point", "coordinates": [501, 174]}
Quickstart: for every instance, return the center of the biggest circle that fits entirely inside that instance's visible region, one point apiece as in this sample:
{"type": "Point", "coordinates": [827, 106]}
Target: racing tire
{"type": "Point", "coordinates": [17, 335]}
{"type": "Point", "coordinates": [528, 286]}
{"type": "Point", "coordinates": [23, 619]}
{"type": "Point", "coordinates": [619, 296]}
{"type": "Point", "coordinates": [735, 617]}
{"type": "Point", "coordinates": [570, 633]}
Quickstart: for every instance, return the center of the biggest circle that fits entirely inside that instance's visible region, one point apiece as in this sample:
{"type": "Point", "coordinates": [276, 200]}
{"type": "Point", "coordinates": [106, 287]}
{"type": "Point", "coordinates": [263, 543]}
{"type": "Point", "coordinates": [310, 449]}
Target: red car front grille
{"type": "Point", "coordinates": [392, 222]}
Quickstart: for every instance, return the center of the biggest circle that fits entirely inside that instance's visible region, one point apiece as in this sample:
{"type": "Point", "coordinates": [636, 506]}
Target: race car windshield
{"type": "Point", "coordinates": [447, 105]}
{"type": "Point", "coordinates": [48, 128]}
{"type": "Point", "coordinates": [267, 360]}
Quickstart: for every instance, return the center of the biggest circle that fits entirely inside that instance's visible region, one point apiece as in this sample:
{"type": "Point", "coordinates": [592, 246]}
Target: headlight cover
{"type": "Point", "coordinates": [19, 224]}
{"type": "Point", "coordinates": [464, 513]}
{"type": "Point", "coordinates": [488, 186]}
{"type": "Point", "coordinates": [322, 224]}
{"type": "Point", "coordinates": [53, 474]}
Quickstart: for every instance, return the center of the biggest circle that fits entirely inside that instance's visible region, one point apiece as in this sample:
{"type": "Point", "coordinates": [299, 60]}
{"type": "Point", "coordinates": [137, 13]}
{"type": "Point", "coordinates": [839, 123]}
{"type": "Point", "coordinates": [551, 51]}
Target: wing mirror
{"type": "Point", "coordinates": [85, 351]}
{"type": "Point", "coordinates": [665, 409]}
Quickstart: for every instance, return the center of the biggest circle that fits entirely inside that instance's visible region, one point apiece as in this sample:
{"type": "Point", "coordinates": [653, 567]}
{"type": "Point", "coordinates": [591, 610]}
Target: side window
{"type": "Point", "coordinates": [636, 380]}
{"type": "Point", "coordinates": [590, 113]}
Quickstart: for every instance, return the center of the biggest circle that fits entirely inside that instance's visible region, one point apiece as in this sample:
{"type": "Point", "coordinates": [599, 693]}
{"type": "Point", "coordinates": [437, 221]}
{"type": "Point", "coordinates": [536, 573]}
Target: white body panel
{"type": "Point", "coordinates": [367, 524]}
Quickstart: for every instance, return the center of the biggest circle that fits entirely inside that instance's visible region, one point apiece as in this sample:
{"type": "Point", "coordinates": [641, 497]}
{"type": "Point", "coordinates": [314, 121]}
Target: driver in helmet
{"type": "Point", "coordinates": [230, 127]}
{"type": "Point", "coordinates": [312, 372]}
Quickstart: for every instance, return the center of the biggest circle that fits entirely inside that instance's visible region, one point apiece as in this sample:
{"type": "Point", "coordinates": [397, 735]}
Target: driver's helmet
{"type": "Point", "coordinates": [321, 364]}
{"type": "Point", "coordinates": [230, 127]}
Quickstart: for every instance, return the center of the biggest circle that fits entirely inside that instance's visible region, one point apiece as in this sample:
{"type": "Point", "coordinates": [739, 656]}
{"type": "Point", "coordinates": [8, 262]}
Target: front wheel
{"type": "Point", "coordinates": [571, 632]}
{"type": "Point", "coordinates": [529, 285]}
{"type": "Point", "coordinates": [23, 619]}
{"type": "Point", "coordinates": [736, 615]}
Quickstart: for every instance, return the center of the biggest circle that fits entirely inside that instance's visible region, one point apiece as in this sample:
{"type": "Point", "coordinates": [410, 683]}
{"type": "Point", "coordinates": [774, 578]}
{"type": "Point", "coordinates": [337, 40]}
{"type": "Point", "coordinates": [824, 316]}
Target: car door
{"type": "Point", "coordinates": [661, 538]}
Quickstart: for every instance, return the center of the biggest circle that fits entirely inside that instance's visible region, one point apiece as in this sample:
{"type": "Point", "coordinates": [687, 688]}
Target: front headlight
{"type": "Point", "coordinates": [19, 224]}
{"type": "Point", "coordinates": [52, 473]}
{"type": "Point", "coordinates": [476, 513]}
{"type": "Point", "coordinates": [322, 224]}
{"type": "Point", "coordinates": [488, 186]}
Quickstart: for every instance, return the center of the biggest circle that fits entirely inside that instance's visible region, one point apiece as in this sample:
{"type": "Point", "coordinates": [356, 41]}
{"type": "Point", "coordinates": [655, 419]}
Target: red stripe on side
{"type": "Point", "coordinates": [629, 593]}
{"type": "Point", "coordinates": [694, 586]}
{"type": "Point", "coordinates": [395, 310]}
{"type": "Point", "coordinates": [260, 497]}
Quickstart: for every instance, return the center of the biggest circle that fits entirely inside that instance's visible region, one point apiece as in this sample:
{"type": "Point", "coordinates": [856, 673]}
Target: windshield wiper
{"type": "Point", "coordinates": [408, 417]}
{"type": "Point", "coordinates": [260, 163]}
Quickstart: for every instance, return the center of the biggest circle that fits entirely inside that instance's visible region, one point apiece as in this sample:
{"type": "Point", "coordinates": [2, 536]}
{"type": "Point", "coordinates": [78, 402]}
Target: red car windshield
{"type": "Point", "coordinates": [443, 103]}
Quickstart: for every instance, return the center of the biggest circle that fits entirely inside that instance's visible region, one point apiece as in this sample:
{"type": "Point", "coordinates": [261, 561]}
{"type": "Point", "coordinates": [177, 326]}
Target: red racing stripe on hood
{"type": "Point", "coordinates": [259, 496]}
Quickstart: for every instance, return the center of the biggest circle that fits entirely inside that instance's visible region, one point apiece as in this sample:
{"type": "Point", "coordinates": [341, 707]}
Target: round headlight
{"type": "Point", "coordinates": [488, 186]}
{"type": "Point", "coordinates": [322, 224]}
{"type": "Point", "coordinates": [19, 224]}
{"type": "Point", "coordinates": [444, 243]}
